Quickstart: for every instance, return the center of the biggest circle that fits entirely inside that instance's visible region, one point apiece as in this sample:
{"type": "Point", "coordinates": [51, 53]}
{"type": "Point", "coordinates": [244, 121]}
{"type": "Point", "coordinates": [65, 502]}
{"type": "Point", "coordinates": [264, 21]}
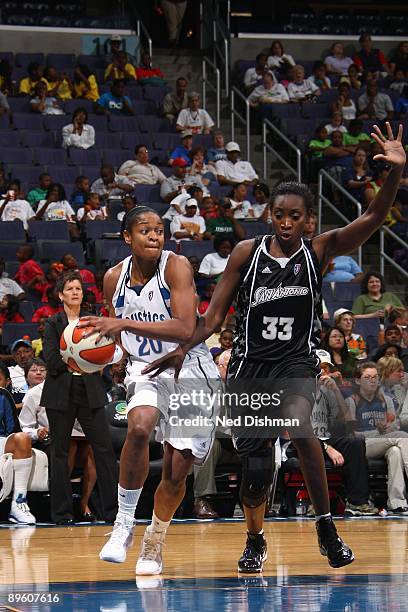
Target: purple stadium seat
{"type": "Point", "coordinates": [61, 60]}
{"type": "Point", "coordinates": [130, 141]}
{"type": "Point", "coordinates": [99, 123]}
{"type": "Point", "coordinates": [220, 191]}
{"type": "Point", "coordinates": [88, 157]}
{"type": "Point", "coordinates": [28, 121]}
{"type": "Point", "coordinates": [167, 171]}
{"type": "Point", "coordinates": [48, 230]}
{"type": "Point", "coordinates": [159, 207]}
{"type": "Point", "coordinates": [155, 94]}
{"type": "Point", "coordinates": [308, 66]}
{"type": "Point", "coordinates": [7, 55]}
{"type": "Point", "coordinates": [254, 228]}
{"type": "Point", "coordinates": [166, 142]}
{"type": "Point", "coordinates": [9, 138]}
{"type": "Point", "coordinates": [317, 111]}
{"type": "Point", "coordinates": [49, 157]}
{"type": "Point", "coordinates": [96, 229]}
{"type": "Point", "coordinates": [369, 330]}
{"type": "Point", "coordinates": [55, 122]}
{"type": "Point", "coordinates": [28, 174]}
{"type": "Point", "coordinates": [19, 105]}
{"type": "Point", "coordinates": [64, 174]}
{"type": "Point", "coordinates": [5, 122]}
{"type": "Point", "coordinates": [114, 208]}
{"type": "Point", "coordinates": [171, 245]}
{"type": "Point", "coordinates": [202, 140]}
{"type": "Point", "coordinates": [71, 105]}
{"type": "Point", "coordinates": [346, 291]}
{"type": "Point", "coordinates": [53, 251]}
{"type": "Point", "coordinates": [16, 156]}
{"type": "Point", "coordinates": [33, 139]}
{"type": "Point", "coordinates": [115, 157]}
{"type": "Point", "coordinates": [106, 140]}
{"type": "Point", "coordinates": [8, 249]}
{"type": "Point", "coordinates": [124, 124]}
{"type": "Point", "coordinates": [14, 331]}
{"type": "Point", "coordinates": [23, 59]}
{"type": "Point", "coordinates": [12, 231]}
{"type": "Point", "coordinates": [26, 308]}
{"type": "Point", "coordinates": [110, 252]}
{"type": "Point", "coordinates": [92, 61]}
{"type": "Point", "coordinates": [299, 126]}
{"type": "Point", "coordinates": [143, 107]}
{"type": "Point", "coordinates": [92, 172]}
{"type": "Point", "coordinates": [280, 111]}
{"type": "Point", "coordinates": [328, 96]}
{"type": "Point", "coordinates": [135, 93]}
{"type": "Point", "coordinates": [147, 193]}
{"type": "Point", "coordinates": [151, 124]}
{"type": "Point", "coordinates": [199, 248]}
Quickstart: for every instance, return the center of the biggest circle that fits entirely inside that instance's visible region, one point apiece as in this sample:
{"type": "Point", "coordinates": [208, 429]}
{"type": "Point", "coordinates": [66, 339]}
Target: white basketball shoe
{"type": "Point", "coordinates": [150, 560]}
{"type": "Point", "coordinates": [20, 512]}
{"type": "Point", "coordinates": [121, 538]}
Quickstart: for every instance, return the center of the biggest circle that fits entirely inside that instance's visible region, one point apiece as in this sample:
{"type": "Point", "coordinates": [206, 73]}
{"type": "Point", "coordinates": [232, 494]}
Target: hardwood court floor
{"type": "Point", "coordinates": [199, 552]}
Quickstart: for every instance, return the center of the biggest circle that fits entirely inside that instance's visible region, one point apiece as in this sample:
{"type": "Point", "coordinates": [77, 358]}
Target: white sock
{"type": "Point", "coordinates": [157, 525]}
{"type": "Point", "coordinates": [22, 470]}
{"type": "Point", "coordinates": [127, 501]}
{"type": "Point", "coordinates": [320, 516]}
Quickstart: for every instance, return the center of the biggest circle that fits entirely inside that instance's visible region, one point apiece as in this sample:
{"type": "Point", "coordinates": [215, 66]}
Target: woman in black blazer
{"type": "Point", "coordinates": [68, 395]}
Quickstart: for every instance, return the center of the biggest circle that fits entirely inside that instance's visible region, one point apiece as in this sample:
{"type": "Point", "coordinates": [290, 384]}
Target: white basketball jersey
{"type": "Point", "coordinates": [149, 302]}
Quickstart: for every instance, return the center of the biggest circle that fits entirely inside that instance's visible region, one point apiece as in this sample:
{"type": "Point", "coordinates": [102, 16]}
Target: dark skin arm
{"type": "Point", "coordinates": [180, 328]}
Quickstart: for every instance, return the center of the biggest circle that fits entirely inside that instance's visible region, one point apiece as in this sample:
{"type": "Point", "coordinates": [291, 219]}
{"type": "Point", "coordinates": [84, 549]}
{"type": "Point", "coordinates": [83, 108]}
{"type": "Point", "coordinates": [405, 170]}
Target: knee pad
{"type": "Point", "coordinates": [257, 473]}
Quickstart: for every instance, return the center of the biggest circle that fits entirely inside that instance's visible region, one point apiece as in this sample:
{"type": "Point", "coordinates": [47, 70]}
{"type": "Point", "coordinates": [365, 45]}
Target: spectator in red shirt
{"type": "Point", "coordinates": [147, 75]}
{"type": "Point", "coordinates": [97, 290]}
{"type": "Point", "coordinates": [70, 263]}
{"type": "Point", "coordinates": [369, 59]}
{"type": "Point", "coordinates": [30, 274]}
{"type": "Point", "coordinates": [51, 308]}
{"type": "Point", "coordinates": [53, 273]}
{"type": "Point", "coordinates": [9, 310]}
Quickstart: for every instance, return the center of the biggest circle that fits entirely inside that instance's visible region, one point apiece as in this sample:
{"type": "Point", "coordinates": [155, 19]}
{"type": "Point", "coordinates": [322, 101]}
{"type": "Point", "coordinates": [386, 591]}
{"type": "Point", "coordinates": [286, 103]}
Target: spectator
{"type": "Point", "coordinates": [174, 102]}
{"type": "Point", "coordinates": [261, 204]}
{"type": "Point", "coordinates": [337, 62]}
{"type": "Point", "coordinates": [268, 93]}
{"type": "Point", "coordinates": [56, 208]}
{"type": "Point", "coordinates": [188, 226]}
{"type": "Point", "coordinates": [357, 176]}
{"type": "Point", "coordinates": [241, 207]}
{"type": "Point", "coordinates": [318, 145]}
{"type": "Point", "coordinates": [92, 210]}
{"type": "Point", "coordinates": [40, 192]}
{"type": "Point", "coordinates": [71, 265]}
{"type": "Point", "coordinates": [374, 415]}
{"type": "Point", "coordinates": [59, 85]}
{"type": "Point", "coordinates": [337, 153]}
{"type": "Point", "coordinates": [217, 151]}
{"type": "Point", "coordinates": [85, 84]}
{"type": "Point", "coordinates": [139, 171]}
{"type": "Point", "coordinates": [374, 104]}
{"type": "Point", "coordinates": [52, 275]}
{"type": "Point", "coordinates": [319, 77]}
{"type": "Point", "coordinates": [10, 310]}
{"type": "Point", "coordinates": [194, 118]}
{"type": "Point", "coordinates": [278, 59]}
{"type": "Point", "coordinates": [394, 384]}
{"type": "Point", "coordinates": [110, 184]}
{"type": "Point", "coordinates": [115, 44]}
{"type": "Point", "coordinates": [343, 269]}
{"type": "Point", "coordinates": [301, 89]}
{"type": "Point", "coordinates": [200, 283]}
{"type": "Point", "coordinates": [35, 75]}
{"type": "Point", "coordinates": [147, 75]}
{"type": "Point", "coordinates": [3, 179]}
{"type": "Point", "coordinates": [23, 355]}
{"type": "Point", "coordinates": [401, 105]}
{"type": "Point", "coordinates": [173, 11]}
{"type": "Point", "coordinates": [183, 151]}
{"type": "Point", "coordinates": [7, 285]}
{"type": "Point", "coordinates": [344, 320]}
{"type": "Point", "coordinates": [37, 342]}
{"type": "Point", "coordinates": [344, 104]}
{"type": "Point", "coordinates": [78, 134]}
{"type": "Point", "coordinates": [214, 264]}
{"type": "Point", "coordinates": [233, 170]}
{"type": "Point", "coordinates": [115, 102]}
{"type": "Point", "coordinates": [50, 308]}
{"type": "Point", "coordinates": [19, 445]}
{"type": "Point", "coordinates": [399, 59]}
{"type": "Point", "coordinates": [336, 124]}
{"type": "Point", "coordinates": [335, 343]}
{"type": "Point", "coordinates": [311, 227]}
{"type": "Point", "coordinates": [355, 137]}
{"type": "Point", "coordinates": [81, 191]}
{"type": "Point", "coordinates": [224, 223]}
{"type": "Point", "coordinates": [173, 185]}
{"type": "Point", "coordinates": [375, 300]}
{"type": "Point", "coordinates": [29, 274]}
{"type": "Point", "coordinates": [178, 204]}
{"type": "Point", "coordinates": [43, 103]}
{"type": "Point", "coordinates": [353, 77]}
{"type": "Point", "coordinates": [129, 202]}
{"type": "Point", "coordinates": [6, 83]}
{"type": "Point", "coordinates": [394, 214]}
{"type": "Point", "coordinates": [254, 76]}
{"type": "Point", "coordinates": [35, 372]}
{"type": "Point", "coordinates": [120, 68]}
{"type": "Point", "coordinates": [399, 81]}
{"type": "Point", "coordinates": [369, 59]}
{"type": "Point", "coordinates": [4, 105]}
{"type": "Point", "coordinates": [199, 168]}
{"type": "Point", "coordinates": [13, 207]}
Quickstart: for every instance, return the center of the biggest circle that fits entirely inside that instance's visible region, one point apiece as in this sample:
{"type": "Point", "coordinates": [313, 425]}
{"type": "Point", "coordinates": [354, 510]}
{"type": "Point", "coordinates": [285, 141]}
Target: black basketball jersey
{"type": "Point", "coordinates": [278, 306]}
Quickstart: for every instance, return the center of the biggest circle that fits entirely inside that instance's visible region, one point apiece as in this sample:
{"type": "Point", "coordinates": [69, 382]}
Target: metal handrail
{"type": "Point", "coordinates": [216, 88]}
{"type": "Point", "coordinates": [322, 198]}
{"type": "Point", "coordinates": [141, 28]}
{"type": "Point", "coordinates": [267, 147]}
{"type": "Point", "coordinates": [246, 121]}
{"type": "Point", "coordinates": [385, 257]}
{"type": "Point", "coordinates": [223, 54]}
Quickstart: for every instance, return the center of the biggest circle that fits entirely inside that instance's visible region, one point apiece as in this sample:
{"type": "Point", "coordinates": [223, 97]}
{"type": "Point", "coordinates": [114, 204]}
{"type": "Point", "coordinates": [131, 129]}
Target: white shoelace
{"type": "Point", "coordinates": [151, 548]}
{"type": "Point", "coordinates": [23, 507]}
{"type": "Point", "coordinates": [120, 532]}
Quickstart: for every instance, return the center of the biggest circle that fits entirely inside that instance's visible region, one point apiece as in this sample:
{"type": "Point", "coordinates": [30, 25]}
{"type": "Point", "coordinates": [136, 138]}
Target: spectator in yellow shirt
{"type": "Point", "coordinates": [59, 85]}
{"type": "Point", "coordinates": [35, 74]}
{"type": "Point", "coordinates": [85, 84]}
{"type": "Point", "coordinates": [120, 68]}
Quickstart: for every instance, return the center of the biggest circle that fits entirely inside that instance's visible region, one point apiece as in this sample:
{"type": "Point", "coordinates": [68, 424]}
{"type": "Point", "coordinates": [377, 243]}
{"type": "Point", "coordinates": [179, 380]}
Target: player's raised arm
{"type": "Point", "coordinates": [346, 239]}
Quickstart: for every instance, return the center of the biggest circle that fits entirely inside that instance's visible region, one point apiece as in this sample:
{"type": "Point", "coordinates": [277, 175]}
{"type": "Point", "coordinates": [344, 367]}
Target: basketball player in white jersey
{"type": "Point", "coordinates": [152, 294]}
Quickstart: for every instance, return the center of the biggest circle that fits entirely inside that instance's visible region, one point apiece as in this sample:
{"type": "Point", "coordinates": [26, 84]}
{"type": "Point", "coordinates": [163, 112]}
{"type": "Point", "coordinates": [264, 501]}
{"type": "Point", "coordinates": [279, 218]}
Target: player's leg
{"type": "Point", "coordinates": [134, 469]}
{"type": "Point", "coordinates": [19, 444]}
{"type": "Point", "coordinates": [313, 469]}
{"type": "Point", "coordinates": [169, 494]}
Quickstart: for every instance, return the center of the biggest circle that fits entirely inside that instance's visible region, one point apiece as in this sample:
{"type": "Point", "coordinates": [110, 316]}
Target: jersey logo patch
{"type": "Point", "coordinates": [267, 270]}
{"type": "Point", "coordinates": [150, 295]}
{"type": "Point", "coordinates": [263, 294]}
{"type": "Point", "coordinates": [296, 269]}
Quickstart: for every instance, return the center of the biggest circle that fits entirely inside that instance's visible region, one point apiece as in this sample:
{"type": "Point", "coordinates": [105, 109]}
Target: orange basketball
{"type": "Point", "coordinates": [82, 354]}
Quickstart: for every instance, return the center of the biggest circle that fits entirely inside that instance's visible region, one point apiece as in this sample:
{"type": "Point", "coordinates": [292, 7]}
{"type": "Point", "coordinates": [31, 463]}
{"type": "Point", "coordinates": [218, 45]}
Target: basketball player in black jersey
{"type": "Point", "coordinates": [276, 280]}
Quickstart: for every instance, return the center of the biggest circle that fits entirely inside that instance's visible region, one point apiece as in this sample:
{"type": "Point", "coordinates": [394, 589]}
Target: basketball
{"type": "Point", "coordinates": [82, 354]}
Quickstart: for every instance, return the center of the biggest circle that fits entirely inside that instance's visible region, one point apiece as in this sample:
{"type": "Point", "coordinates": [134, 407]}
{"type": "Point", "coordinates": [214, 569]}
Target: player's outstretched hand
{"type": "Point", "coordinates": [174, 359]}
{"type": "Point", "coordinates": [106, 326]}
{"type": "Point", "coordinates": [393, 150]}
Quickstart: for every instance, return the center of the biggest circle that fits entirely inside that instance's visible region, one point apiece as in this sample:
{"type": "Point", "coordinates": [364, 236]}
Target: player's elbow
{"type": "Point", "coordinates": [186, 333]}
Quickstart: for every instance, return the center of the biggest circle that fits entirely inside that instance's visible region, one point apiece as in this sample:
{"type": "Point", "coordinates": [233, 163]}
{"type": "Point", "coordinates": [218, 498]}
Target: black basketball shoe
{"type": "Point", "coordinates": [254, 555]}
{"type": "Point", "coordinates": [331, 545]}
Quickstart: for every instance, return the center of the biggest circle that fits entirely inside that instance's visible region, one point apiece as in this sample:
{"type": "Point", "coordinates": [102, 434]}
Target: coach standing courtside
{"type": "Point", "coordinates": [68, 395]}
